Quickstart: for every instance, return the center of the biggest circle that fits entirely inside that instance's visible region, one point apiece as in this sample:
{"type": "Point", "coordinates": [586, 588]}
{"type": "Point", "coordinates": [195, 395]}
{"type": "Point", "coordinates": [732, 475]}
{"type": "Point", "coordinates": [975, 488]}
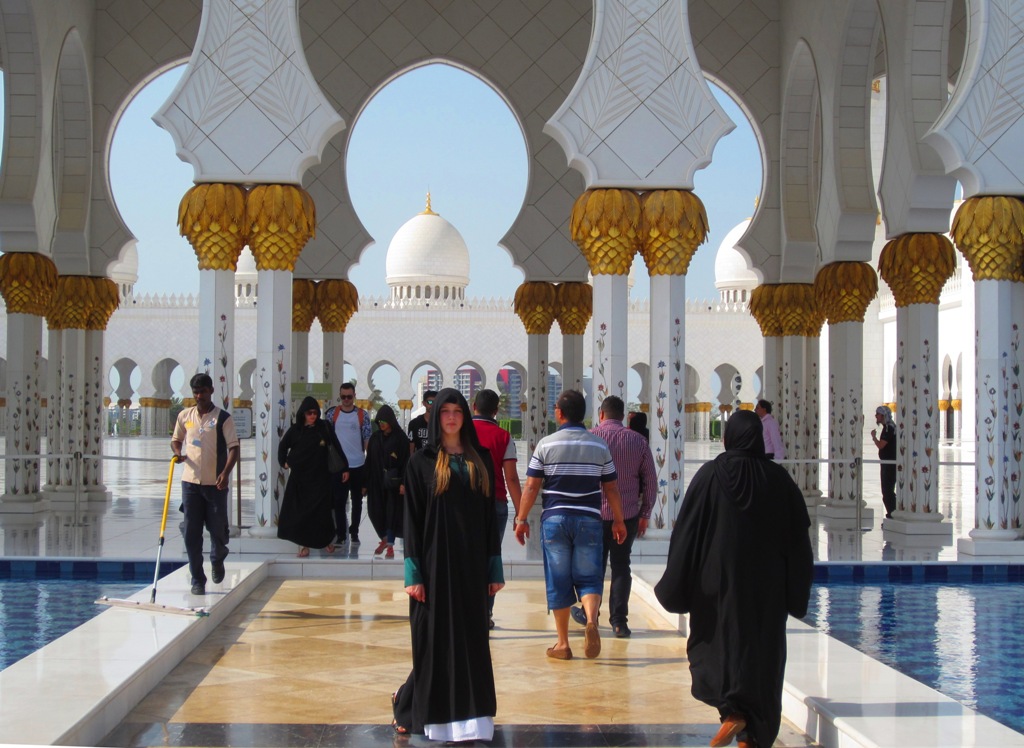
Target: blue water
{"type": "Point", "coordinates": [964, 640]}
{"type": "Point", "coordinates": [34, 612]}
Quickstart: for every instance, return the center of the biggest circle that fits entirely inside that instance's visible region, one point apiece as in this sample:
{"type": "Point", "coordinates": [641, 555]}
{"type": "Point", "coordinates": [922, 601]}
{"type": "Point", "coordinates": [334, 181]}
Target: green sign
{"type": "Point", "coordinates": [319, 390]}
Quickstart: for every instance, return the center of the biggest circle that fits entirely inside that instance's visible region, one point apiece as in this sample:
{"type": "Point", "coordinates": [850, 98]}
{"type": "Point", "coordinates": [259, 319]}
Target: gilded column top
{"type": "Point", "coordinates": [762, 309]}
{"type": "Point", "coordinates": [844, 290]}
{"type": "Point", "coordinates": [280, 219]}
{"type": "Point", "coordinates": [28, 282]}
{"type": "Point", "coordinates": [535, 304]}
{"type": "Point", "coordinates": [212, 218]}
{"type": "Point", "coordinates": [916, 267]}
{"type": "Point", "coordinates": [574, 305]}
{"type": "Point", "coordinates": [674, 225]}
{"type": "Point", "coordinates": [337, 301]}
{"type": "Point", "coordinates": [796, 309]}
{"type": "Point", "coordinates": [303, 304]}
{"type": "Point", "coordinates": [606, 225]}
{"type": "Point", "coordinates": [989, 232]}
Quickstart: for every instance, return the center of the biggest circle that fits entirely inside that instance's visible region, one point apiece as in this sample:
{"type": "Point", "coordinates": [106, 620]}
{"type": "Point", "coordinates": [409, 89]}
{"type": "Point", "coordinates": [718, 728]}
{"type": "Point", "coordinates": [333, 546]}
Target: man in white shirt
{"type": "Point", "coordinates": [774, 449]}
{"type": "Point", "coordinates": [352, 426]}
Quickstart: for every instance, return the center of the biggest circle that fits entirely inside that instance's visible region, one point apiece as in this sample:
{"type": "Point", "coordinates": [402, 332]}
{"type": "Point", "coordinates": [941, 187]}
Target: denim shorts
{"type": "Point", "coordinates": [573, 548]}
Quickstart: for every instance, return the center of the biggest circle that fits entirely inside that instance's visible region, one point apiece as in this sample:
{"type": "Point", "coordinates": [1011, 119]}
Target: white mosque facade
{"type": "Point", "coordinates": [428, 321]}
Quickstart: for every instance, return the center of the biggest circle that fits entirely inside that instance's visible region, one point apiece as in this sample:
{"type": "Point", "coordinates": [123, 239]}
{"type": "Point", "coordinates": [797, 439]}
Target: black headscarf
{"type": "Point", "coordinates": [741, 468]}
{"type": "Point", "coordinates": [308, 403]}
{"type": "Point", "coordinates": [638, 423]}
{"type": "Point", "coordinates": [468, 433]}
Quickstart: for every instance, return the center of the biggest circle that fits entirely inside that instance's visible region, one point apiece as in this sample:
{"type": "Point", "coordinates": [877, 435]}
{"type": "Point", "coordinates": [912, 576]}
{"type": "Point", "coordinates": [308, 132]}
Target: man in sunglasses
{"type": "Point", "coordinates": [352, 426]}
{"type": "Point", "coordinates": [418, 425]}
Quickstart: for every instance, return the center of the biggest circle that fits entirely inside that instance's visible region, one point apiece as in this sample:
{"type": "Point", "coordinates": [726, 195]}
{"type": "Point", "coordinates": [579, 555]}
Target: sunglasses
{"type": "Point", "coordinates": [348, 397]}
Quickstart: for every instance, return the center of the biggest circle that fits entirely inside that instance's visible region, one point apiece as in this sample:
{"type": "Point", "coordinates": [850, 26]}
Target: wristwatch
{"type": "Point", "coordinates": [518, 521]}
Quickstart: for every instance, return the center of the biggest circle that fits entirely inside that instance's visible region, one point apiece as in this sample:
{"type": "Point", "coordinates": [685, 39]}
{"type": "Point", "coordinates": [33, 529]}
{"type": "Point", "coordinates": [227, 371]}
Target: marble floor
{"type": "Point", "coordinates": [313, 663]}
{"type": "Point", "coordinates": [311, 657]}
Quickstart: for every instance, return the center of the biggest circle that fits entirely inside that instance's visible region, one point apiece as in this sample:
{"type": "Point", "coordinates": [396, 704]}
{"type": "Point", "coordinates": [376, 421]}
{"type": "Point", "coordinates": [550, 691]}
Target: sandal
{"type": "Point", "coordinates": [330, 548]}
{"type": "Point", "coordinates": [398, 728]}
{"type": "Point", "coordinates": [303, 552]}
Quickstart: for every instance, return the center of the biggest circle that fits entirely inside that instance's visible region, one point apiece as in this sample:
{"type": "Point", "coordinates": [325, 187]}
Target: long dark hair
{"type": "Point", "coordinates": [479, 476]}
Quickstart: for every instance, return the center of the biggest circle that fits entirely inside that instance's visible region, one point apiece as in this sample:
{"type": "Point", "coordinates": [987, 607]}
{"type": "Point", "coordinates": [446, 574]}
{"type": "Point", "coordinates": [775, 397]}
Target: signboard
{"type": "Point", "coordinates": [243, 422]}
{"type": "Point", "coordinates": [320, 390]}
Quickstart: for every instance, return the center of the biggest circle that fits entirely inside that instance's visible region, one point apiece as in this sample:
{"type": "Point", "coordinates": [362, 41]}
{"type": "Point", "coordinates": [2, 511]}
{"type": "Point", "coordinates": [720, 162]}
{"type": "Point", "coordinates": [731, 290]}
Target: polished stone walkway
{"type": "Point", "coordinates": [314, 662]}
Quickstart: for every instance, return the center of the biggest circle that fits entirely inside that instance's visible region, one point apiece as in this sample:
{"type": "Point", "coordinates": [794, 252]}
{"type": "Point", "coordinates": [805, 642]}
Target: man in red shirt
{"type": "Point", "coordinates": [503, 452]}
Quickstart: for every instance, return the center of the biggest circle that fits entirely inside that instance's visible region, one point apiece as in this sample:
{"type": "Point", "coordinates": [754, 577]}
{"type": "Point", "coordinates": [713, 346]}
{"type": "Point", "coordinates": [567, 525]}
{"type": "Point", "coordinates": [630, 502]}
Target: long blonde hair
{"type": "Point", "coordinates": [479, 479]}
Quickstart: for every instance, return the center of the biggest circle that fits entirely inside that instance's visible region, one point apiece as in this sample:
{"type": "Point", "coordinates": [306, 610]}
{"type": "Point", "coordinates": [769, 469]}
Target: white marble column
{"type": "Point", "coordinates": [24, 416]}
{"type": "Point", "coordinates": [999, 510]}
{"type": "Point", "coordinates": [572, 362]}
{"type": "Point", "coordinates": [54, 375]}
{"type": "Point", "coordinates": [610, 337]}
{"type": "Point", "coordinates": [811, 433]}
{"type": "Point", "coordinates": [846, 420]}
{"type": "Point", "coordinates": [794, 413]}
{"type": "Point", "coordinates": [272, 400]}
{"type": "Point", "coordinates": [535, 425]}
{"type": "Point", "coordinates": [334, 360]}
{"type": "Point", "coordinates": [217, 332]}
{"type": "Point", "coordinates": [917, 405]}
{"type": "Point", "coordinates": [300, 355]}
{"type": "Point", "coordinates": [72, 408]}
{"type": "Point", "coordinates": [95, 421]}
{"type": "Point", "coordinates": [667, 391]}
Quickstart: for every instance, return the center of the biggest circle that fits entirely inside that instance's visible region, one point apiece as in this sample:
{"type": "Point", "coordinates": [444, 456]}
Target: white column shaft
{"type": "Point", "coordinates": [999, 412]}
{"type": "Point", "coordinates": [846, 412]}
{"type": "Point", "coordinates": [793, 392]}
{"type": "Point", "coordinates": [54, 369]}
{"type": "Point", "coordinates": [334, 360]}
{"type": "Point", "coordinates": [611, 296]}
{"type": "Point", "coordinates": [300, 356]}
{"type": "Point", "coordinates": [572, 362]}
{"type": "Point", "coordinates": [917, 403]}
{"type": "Point", "coordinates": [812, 412]}
{"type": "Point", "coordinates": [95, 422]}
{"type": "Point", "coordinates": [72, 404]}
{"type": "Point", "coordinates": [667, 390]}
{"type": "Point", "coordinates": [217, 332]}
{"type": "Point", "coordinates": [535, 425]}
{"type": "Point", "coordinates": [271, 400]}
{"type": "Point", "coordinates": [24, 416]}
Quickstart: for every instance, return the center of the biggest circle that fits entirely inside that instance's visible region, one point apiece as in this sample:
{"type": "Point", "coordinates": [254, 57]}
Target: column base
{"type": "Point", "coordinates": [845, 514]}
{"type": "Point", "coordinates": [904, 547]}
{"type": "Point", "coordinates": [988, 548]}
{"type": "Point", "coordinates": [21, 498]}
{"type": "Point", "coordinates": [906, 523]}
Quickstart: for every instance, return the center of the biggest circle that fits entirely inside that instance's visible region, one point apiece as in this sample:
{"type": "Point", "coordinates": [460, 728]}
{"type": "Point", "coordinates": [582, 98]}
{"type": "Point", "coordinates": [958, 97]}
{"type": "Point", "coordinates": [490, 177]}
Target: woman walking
{"type": "Point", "coordinates": [386, 457]}
{"type": "Point", "coordinates": [452, 564]}
{"type": "Point", "coordinates": [306, 517]}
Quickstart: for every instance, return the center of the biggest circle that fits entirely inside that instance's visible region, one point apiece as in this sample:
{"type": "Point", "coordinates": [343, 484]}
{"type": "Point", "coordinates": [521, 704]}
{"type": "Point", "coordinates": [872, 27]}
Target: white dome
{"type": "Point", "coordinates": [427, 250]}
{"type": "Point", "coordinates": [126, 269]}
{"type": "Point", "coordinates": [731, 271]}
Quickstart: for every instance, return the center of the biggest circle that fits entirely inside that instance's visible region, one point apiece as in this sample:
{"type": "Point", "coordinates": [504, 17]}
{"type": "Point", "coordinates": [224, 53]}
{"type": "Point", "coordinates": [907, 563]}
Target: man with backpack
{"type": "Point", "coordinates": [206, 441]}
{"type": "Point", "coordinates": [352, 426]}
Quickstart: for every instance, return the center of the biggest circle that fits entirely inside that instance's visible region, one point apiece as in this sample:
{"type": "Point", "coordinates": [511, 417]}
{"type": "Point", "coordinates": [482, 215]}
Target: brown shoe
{"type": "Point", "coordinates": [731, 726]}
{"type": "Point", "coordinates": [592, 641]}
{"type": "Point", "coordinates": [559, 654]}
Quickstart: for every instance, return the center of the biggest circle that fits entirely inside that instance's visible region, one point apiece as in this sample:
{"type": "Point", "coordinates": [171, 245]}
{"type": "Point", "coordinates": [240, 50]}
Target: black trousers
{"type": "Point", "coordinates": [622, 579]}
{"type": "Point", "coordinates": [205, 506]}
{"type": "Point", "coordinates": [889, 488]}
{"type": "Point", "coordinates": [352, 487]}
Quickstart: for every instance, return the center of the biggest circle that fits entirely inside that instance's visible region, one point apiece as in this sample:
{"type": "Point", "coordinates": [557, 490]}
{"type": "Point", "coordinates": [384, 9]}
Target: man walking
{"type": "Point", "coordinates": [638, 488]}
{"type": "Point", "coordinates": [418, 425]}
{"type": "Point", "coordinates": [503, 453]}
{"type": "Point", "coordinates": [886, 443]}
{"type": "Point", "coordinates": [774, 449]}
{"type": "Point", "coordinates": [352, 427]}
{"type": "Point", "coordinates": [207, 435]}
{"type": "Point", "coordinates": [572, 465]}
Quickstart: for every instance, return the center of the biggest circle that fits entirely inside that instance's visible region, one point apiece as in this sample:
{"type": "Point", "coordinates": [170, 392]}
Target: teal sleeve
{"type": "Point", "coordinates": [412, 572]}
{"type": "Point", "coordinates": [495, 571]}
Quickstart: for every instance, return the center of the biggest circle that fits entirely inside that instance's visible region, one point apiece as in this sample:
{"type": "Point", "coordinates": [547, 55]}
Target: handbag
{"type": "Point", "coordinates": [335, 462]}
{"type": "Point", "coordinates": [392, 478]}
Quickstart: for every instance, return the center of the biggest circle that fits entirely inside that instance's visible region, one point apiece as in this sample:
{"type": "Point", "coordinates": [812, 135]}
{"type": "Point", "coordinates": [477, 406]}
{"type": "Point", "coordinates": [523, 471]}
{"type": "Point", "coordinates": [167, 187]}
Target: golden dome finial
{"type": "Point", "coordinates": [428, 211]}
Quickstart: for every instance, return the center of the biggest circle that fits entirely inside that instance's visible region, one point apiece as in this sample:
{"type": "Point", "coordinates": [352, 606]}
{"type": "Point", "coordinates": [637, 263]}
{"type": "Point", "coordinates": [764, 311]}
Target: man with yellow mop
{"type": "Point", "coordinates": [206, 441]}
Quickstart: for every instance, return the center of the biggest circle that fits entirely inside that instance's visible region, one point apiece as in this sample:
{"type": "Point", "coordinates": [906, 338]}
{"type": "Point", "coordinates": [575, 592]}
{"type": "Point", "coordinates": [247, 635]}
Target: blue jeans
{"type": "Point", "coordinates": [501, 517]}
{"type": "Point", "coordinates": [573, 558]}
{"type": "Point", "coordinates": [205, 506]}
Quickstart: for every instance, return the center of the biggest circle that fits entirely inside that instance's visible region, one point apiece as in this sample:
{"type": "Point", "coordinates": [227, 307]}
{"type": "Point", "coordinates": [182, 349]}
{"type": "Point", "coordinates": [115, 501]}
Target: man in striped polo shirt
{"type": "Point", "coordinates": [571, 466]}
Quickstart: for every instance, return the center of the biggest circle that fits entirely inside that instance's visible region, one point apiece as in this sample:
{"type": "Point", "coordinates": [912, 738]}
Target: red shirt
{"type": "Point", "coordinates": [499, 443]}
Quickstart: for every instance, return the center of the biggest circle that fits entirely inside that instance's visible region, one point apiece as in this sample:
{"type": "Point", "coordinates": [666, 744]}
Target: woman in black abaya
{"type": "Point", "coordinates": [739, 562]}
{"type": "Point", "coordinates": [386, 456]}
{"type": "Point", "coordinates": [452, 564]}
{"type": "Point", "coordinates": [306, 516]}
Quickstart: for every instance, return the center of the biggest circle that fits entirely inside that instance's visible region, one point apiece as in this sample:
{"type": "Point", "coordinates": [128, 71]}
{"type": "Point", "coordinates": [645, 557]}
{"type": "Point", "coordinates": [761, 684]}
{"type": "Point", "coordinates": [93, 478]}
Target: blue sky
{"type": "Point", "coordinates": [436, 128]}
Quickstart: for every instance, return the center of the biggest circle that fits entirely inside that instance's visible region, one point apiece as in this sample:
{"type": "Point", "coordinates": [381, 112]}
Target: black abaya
{"type": "Point", "coordinates": [739, 561]}
{"type": "Point", "coordinates": [452, 547]}
{"type": "Point", "coordinates": [391, 450]}
{"type": "Point", "coordinates": [306, 510]}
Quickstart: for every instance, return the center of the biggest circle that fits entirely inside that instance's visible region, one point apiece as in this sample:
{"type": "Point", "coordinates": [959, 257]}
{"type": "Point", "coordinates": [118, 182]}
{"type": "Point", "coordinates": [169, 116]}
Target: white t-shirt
{"type": "Point", "coordinates": [350, 436]}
